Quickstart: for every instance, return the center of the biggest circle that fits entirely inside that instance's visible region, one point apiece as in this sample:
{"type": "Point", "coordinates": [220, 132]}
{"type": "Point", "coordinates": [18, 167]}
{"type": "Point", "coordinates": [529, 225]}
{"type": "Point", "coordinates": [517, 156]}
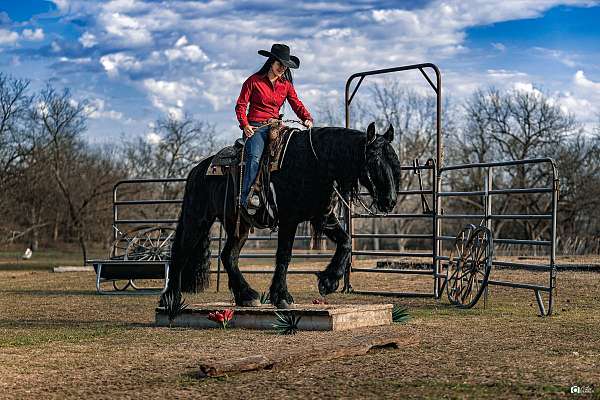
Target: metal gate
{"type": "Point", "coordinates": [437, 254]}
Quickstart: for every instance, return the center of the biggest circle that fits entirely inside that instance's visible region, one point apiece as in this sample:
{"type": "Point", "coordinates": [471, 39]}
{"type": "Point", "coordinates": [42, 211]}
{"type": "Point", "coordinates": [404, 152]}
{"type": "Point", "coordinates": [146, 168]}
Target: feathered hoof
{"type": "Point", "coordinates": [250, 303]}
{"type": "Point", "coordinates": [326, 284]}
{"type": "Point", "coordinates": [282, 305]}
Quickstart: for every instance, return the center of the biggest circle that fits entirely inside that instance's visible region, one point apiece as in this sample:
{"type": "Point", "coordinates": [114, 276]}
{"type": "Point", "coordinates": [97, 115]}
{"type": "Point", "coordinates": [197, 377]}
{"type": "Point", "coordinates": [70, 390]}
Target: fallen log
{"type": "Point", "coordinates": [356, 347]}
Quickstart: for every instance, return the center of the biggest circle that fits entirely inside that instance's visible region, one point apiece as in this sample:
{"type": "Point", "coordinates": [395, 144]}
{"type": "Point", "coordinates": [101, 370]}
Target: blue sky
{"type": "Point", "coordinates": [136, 60]}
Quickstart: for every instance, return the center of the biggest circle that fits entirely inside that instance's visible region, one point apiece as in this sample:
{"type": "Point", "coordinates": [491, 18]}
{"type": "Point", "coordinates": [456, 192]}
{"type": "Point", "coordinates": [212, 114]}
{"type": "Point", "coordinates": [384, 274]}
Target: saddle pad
{"type": "Point", "coordinates": [277, 149]}
{"type": "Point", "coordinates": [227, 156]}
{"type": "Point", "coordinates": [226, 160]}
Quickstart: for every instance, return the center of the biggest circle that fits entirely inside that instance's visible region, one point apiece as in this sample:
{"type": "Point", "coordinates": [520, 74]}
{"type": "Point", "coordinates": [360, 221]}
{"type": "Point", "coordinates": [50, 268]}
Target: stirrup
{"type": "Point", "coordinates": [254, 201]}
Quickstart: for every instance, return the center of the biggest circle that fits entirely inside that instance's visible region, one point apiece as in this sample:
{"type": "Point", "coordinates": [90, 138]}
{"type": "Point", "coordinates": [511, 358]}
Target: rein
{"type": "Point", "coordinates": [368, 209]}
{"type": "Point", "coordinates": [279, 121]}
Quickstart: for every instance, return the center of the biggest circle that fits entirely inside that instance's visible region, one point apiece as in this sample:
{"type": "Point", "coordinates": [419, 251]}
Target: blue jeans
{"type": "Point", "coordinates": [252, 154]}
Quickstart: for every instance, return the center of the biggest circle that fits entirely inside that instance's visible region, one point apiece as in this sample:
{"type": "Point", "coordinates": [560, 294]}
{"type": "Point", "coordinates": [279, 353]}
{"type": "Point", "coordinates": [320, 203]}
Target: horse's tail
{"type": "Point", "coordinates": [190, 253]}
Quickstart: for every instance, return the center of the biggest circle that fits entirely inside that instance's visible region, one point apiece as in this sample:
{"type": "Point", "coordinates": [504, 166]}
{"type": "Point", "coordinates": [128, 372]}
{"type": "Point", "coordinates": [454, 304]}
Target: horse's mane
{"type": "Point", "coordinates": [341, 153]}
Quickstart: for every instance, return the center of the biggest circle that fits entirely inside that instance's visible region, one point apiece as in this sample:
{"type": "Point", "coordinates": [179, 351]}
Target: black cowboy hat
{"type": "Point", "coordinates": [282, 53]}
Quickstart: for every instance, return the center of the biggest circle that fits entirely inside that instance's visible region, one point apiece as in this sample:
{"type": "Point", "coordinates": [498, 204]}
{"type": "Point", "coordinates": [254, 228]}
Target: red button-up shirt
{"type": "Point", "coordinates": [266, 99]}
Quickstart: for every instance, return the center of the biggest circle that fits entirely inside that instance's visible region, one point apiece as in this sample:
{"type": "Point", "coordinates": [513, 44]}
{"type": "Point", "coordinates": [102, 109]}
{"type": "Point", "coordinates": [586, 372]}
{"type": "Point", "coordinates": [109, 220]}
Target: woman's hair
{"type": "Point", "coordinates": [287, 75]}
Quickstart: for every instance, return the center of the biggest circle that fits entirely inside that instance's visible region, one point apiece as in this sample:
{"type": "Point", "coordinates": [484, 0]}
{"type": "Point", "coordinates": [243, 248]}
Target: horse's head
{"type": "Point", "coordinates": [381, 174]}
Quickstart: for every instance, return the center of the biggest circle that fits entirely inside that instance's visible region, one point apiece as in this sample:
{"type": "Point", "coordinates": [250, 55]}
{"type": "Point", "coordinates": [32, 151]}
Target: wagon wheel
{"type": "Point", "coordinates": [118, 249]}
{"type": "Point", "coordinates": [153, 244]}
{"type": "Point", "coordinates": [469, 266]}
{"type": "Point", "coordinates": [123, 288]}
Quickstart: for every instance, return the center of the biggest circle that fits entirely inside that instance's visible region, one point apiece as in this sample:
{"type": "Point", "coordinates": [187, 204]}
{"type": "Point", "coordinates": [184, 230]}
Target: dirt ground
{"type": "Point", "coordinates": [59, 339]}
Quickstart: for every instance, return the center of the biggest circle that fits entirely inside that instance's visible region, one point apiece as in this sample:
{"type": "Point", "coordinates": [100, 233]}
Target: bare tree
{"type": "Point", "coordinates": [579, 172]}
{"type": "Point", "coordinates": [516, 125]}
{"type": "Point", "coordinates": [14, 110]}
{"type": "Point", "coordinates": [330, 113]}
{"type": "Point", "coordinates": [80, 175]}
{"type": "Point", "coordinates": [181, 144]}
{"type": "Point", "coordinates": [413, 117]}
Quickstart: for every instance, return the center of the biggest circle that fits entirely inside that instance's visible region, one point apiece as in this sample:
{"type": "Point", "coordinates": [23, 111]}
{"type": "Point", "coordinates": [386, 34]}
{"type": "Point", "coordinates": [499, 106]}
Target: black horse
{"type": "Point", "coordinates": [304, 188]}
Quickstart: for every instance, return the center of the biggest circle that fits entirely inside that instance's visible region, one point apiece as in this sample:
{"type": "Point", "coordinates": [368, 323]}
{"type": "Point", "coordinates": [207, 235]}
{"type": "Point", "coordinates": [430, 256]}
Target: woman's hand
{"type": "Point", "coordinates": [248, 131]}
{"type": "Point", "coordinates": [308, 123]}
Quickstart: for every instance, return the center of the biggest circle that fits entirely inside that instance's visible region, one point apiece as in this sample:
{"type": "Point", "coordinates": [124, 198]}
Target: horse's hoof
{"type": "Point", "coordinates": [282, 305]}
{"type": "Point", "coordinates": [250, 303]}
{"type": "Point", "coordinates": [326, 286]}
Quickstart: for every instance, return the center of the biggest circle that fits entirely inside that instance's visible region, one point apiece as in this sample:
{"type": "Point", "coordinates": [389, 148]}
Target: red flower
{"type": "Point", "coordinates": [228, 314]}
{"type": "Point", "coordinates": [221, 317]}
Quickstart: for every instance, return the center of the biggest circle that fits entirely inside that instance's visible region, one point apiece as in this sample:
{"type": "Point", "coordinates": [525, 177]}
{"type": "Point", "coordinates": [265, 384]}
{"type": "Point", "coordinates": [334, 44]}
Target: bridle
{"type": "Point", "coordinates": [369, 208]}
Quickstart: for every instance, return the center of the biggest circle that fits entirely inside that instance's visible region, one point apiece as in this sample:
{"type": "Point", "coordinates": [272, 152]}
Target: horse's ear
{"type": "Point", "coordinates": [371, 132]}
{"type": "Point", "coordinates": [389, 134]}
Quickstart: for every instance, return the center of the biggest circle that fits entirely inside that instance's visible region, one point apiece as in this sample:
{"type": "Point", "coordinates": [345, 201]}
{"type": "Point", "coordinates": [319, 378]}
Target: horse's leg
{"type": "Point", "coordinates": [280, 297]}
{"type": "Point", "coordinates": [329, 278]}
{"type": "Point", "coordinates": [243, 293]}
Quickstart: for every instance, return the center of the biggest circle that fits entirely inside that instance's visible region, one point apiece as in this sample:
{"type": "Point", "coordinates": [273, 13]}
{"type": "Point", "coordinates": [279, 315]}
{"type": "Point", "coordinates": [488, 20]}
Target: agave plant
{"type": "Point", "coordinates": [400, 314]}
{"type": "Point", "coordinates": [265, 298]}
{"type": "Point", "coordinates": [174, 305]}
{"type": "Point", "coordinates": [286, 324]}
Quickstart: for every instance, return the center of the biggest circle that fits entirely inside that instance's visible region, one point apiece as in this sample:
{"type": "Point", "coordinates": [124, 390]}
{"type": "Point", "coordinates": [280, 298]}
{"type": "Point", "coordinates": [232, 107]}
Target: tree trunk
{"type": "Point", "coordinates": [83, 247]}
{"type": "Point", "coordinates": [55, 230]}
{"type": "Point", "coordinates": [33, 235]}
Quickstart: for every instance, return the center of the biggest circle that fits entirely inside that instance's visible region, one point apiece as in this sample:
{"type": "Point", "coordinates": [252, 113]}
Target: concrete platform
{"type": "Point", "coordinates": [314, 317]}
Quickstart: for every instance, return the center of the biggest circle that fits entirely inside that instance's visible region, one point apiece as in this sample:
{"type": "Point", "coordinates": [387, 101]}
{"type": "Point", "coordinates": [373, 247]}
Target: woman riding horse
{"type": "Point", "coordinates": [266, 91]}
{"type": "Point", "coordinates": [304, 188]}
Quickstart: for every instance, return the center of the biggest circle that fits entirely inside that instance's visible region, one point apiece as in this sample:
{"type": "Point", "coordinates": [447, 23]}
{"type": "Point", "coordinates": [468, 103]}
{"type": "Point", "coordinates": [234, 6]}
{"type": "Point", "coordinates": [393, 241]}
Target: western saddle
{"type": "Point", "coordinates": [228, 161]}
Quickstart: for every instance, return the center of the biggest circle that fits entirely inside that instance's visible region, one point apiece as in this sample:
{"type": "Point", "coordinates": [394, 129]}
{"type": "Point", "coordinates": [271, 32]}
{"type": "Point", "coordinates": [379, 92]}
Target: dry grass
{"type": "Point", "coordinates": [58, 339]}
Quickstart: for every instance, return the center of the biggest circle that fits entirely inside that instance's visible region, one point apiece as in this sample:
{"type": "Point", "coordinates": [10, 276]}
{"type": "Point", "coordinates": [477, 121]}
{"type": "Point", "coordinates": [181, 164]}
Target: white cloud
{"type": "Point", "coordinates": [558, 55]}
{"type": "Point", "coordinates": [122, 6]}
{"type": "Point", "coordinates": [527, 87]}
{"type": "Point", "coordinates": [334, 33]}
{"type": "Point", "coordinates": [88, 40]}
{"type": "Point", "coordinates": [191, 53]}
{"type": "Point", "coordinates": [80, 60]}
{"type": "Point", "coordinates": [153, 138]}
{"type": "Point", "coordinates": [223, 87]}
{"type": "Point", "coordinates": [162, 47]}
{"type": "Point", "coordinates": [127, 30]}
{"type": "Point", "coordinates": [571, 104]}
{"type": "Point", "coordinates": [499, 46]}
{"type": "Point", "coordinates": [8, 37]}
{"type": "Point", "coordinates": [55, 47]}
{"type": "Point", "coordinates": [444, 22]}
{"type": "Point", "coordinates": [169, 96]}
{"type": "Point", "coordinates": [33, 35]}
{"type": "Point", "coordinates": [113, 63]}
{"type": "Point", "coordinates": [96, 110]}
{"type": "Point", "coordinates": [505, 74]}
{"type": "Point", "coordinates": [581, 80]}
{"type": "Point", "coordinates": [182, 41]}
{"type": "Point", "coordinates": [169, 90]}
{"type": "Point", "coordinates": [584, 108]}
{"type": "Point", "coordinates": [62, 5]}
